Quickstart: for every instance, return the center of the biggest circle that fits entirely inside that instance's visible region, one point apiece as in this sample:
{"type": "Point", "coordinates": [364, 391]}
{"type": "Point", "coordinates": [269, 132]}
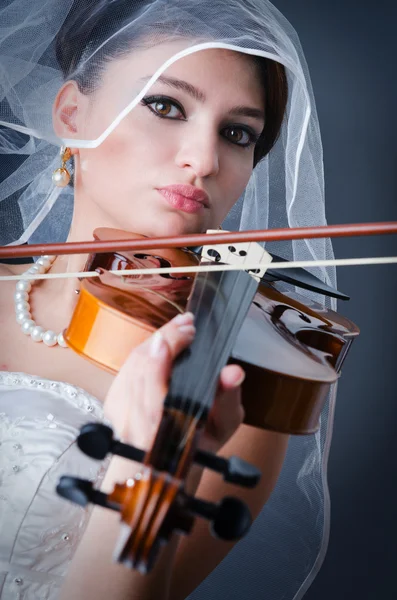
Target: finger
{"type": "Point", "coordinates": [231, 376]}
{"type": "Point", "coordinates": [158, 363]}
{"type": "Point", "coordinates": [178, 334]}
{"type": "Point", "coordinates": [227, 412]}
{"type": "Point", "coordinates": [143, 379]}
{"type": "Point", "coordinates": [152, 360]}
{"type": "Point", "coordinates": [149, 390]}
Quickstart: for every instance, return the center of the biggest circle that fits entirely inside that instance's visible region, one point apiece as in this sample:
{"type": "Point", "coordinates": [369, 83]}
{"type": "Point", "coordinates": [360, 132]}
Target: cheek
{"type": "Point", "coordinates": [236, 177]}
{"type": "Point", "coordinates": [101, 167]}
{"type": "Point", "coordinates": [117, 147]}
{"type": "Point", "coordinates": [120, 160]}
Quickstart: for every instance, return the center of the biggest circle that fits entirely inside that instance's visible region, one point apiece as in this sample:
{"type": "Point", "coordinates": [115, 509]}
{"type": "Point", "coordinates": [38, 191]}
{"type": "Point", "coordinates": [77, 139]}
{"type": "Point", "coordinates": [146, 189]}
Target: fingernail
{"type": "Point", "coordinates": [186, 318]}
{"type": "Point", "coordinates": [239, 381]}
{"type": "Point", "coordinates": [157, 345]}
{"type": "Point", "coordinates": [188, 330]}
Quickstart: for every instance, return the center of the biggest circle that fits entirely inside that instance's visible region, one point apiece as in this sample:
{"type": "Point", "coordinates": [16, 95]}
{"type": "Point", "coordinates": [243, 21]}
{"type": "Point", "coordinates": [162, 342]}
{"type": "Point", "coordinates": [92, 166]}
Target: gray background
{"type": "Point", "coordinates": [351, 51]}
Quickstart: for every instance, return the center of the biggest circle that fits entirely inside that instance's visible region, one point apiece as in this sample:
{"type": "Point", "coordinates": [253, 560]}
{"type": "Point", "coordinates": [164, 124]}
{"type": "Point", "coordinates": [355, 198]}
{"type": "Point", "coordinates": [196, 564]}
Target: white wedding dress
{"type": "Point", "coordinates": [39, 531]}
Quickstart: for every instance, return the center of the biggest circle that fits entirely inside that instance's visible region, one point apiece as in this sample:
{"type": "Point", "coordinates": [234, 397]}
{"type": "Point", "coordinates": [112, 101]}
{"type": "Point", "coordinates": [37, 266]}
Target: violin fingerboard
{"type": "Point", "coordinates": [220, 302]}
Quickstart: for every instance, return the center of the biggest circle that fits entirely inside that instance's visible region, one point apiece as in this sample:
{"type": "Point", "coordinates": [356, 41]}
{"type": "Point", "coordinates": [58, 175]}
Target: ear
{"type": "Point", "coordinates": [69, 111]}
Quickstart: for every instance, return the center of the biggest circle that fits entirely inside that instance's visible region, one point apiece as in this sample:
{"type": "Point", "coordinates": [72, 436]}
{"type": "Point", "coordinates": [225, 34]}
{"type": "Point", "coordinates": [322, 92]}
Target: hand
{"type": "Point", "coordinates": [134, 403]}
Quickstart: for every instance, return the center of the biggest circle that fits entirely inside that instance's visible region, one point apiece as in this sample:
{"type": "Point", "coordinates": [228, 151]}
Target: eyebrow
{"type": "Point", "coordinates": [184, 86]}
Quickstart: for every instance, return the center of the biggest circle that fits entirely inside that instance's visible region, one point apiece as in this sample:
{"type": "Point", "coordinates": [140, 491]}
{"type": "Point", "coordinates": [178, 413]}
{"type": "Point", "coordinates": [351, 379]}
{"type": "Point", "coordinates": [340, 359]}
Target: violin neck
{"type": "Point", "coordinates": [220, 302]}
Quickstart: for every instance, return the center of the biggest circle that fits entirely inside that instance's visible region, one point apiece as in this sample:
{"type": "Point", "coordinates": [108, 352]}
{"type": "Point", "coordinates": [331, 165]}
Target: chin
{"type": "Point", "coordinates": [175, 224]}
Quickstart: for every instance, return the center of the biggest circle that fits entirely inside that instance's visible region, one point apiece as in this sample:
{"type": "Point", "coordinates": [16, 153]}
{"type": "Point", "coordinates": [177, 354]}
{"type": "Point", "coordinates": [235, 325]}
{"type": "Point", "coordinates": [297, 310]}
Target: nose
{"type": "Point", "coordinates": [199, 150]}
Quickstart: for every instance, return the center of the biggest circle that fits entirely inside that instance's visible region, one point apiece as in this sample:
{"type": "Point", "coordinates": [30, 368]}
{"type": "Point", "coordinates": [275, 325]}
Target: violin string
{"type": "Point", "coordinates": [188, 383]}
{"type": "Point", "coordinates": [189, 425]}
{"type": "Point", "coordinates": [206, 364]}
{"type": "Point", "coordinates": [216, 374]}
{"type": "Point", "coordinates": [209, 384]}
{"type": "Point", "coordinates": [184, 394]}
{"type": "Point", "coordinates": [339, 262]}
{"type": "Point", "coordinates": [186, 391]}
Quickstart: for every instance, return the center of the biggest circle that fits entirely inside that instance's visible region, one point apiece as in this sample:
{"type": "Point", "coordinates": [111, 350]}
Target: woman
{"type": "Point", "coordinates": [154, 94]}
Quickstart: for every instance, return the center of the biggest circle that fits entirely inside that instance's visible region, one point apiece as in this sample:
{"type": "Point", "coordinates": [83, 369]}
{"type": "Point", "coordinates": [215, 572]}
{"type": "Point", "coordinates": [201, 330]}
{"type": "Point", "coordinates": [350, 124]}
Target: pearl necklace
{"type": "Point", "coordinates": [22, 306]}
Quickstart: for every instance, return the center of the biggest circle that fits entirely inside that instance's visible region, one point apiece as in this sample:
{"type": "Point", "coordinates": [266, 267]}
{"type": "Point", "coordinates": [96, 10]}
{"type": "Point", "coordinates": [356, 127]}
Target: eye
{"type": "Point", "coordinates": [244, 137]}
{"type": "Point", "coordinates": [240, 134]}
{"type": "Point", "coordinates": [161, 106]}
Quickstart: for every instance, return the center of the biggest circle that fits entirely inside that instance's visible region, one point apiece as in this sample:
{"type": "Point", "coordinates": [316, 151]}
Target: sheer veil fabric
{"type": "Point", "coordinates": [286, 189]}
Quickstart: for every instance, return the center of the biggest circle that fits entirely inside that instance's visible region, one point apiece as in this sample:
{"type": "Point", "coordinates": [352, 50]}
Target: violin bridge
{"type": "Point", "coordinates": [238, 254]}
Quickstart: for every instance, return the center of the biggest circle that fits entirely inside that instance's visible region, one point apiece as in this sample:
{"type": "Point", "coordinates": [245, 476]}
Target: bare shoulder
{"type": "Point", "coordinates": [4, 269]}
{"type": "Point", "coordinates": [7, 290]}
{"type": "Point", "coordinates": [7, 270]}
{"type": "Point", "coordinates": [7, 318]}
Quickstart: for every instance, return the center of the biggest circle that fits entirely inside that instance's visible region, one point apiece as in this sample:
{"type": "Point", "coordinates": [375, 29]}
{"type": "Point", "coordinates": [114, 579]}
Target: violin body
{"type": "Point", "coordinates": [114, 314]}
{"type": "Point", "coordinates": [291, 349]}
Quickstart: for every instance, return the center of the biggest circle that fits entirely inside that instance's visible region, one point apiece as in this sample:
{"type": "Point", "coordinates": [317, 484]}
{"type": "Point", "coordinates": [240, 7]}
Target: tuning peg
{"type": "Point", "coordinates": [230, 519]}
{"type": "Point", "coordinates": [233, 519]}
{"type": "Point", "coordinates": [81, 491]}
{"type": "Point", "coordinates": [96, 440]}
{"type": "Point", "coordinates": [234, 470]}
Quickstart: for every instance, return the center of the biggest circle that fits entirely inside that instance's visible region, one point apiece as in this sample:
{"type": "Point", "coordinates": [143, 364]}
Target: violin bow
{"type": "Point", "coordinates": [192, 240]}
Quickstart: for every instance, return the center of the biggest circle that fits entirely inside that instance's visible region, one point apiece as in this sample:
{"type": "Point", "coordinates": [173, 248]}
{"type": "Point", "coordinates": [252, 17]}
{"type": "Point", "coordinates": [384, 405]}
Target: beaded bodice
{"type": "Point", "coordinates": [39, 531]}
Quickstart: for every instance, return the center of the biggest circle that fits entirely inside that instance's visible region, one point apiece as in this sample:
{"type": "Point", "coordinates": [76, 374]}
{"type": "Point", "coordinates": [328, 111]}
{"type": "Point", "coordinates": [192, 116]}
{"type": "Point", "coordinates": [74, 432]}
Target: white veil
{"type": "Point", "coordinates": [41, 45]}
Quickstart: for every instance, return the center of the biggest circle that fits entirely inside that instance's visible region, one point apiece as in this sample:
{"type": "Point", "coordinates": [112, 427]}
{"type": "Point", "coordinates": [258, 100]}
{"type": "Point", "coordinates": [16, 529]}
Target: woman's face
{"type": "Point", "coordinates": [186, 131]}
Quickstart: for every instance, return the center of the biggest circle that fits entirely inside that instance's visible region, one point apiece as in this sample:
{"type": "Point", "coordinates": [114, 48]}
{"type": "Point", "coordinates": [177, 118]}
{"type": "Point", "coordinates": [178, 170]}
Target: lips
{"type": "Point", "coordinates": [185, 197]}
{"type": "Point", "coordinates": [189, 191]}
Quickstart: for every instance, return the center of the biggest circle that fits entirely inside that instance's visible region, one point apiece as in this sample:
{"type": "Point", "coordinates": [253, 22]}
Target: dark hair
{"type": "Point", "coordinates": [274, 80]}
{"type": "Point", "coordinates": [91, 22]}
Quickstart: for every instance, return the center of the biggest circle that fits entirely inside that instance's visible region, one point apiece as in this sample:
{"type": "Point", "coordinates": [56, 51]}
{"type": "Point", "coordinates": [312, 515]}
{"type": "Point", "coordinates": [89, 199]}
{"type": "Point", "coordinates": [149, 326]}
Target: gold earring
{"type": "Point", "coordinates": [61, 176]}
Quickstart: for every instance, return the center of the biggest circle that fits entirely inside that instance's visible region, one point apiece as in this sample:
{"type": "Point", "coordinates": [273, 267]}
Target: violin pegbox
{"type": "Point", "coordinates": [238, 254]}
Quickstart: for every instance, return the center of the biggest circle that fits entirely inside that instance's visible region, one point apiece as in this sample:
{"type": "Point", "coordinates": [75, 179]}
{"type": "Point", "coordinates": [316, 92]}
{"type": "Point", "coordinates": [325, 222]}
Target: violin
{"type": "Point", "coordinates": [308, 342]}
{"type": "Point", "coordinates": [291, 350]}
